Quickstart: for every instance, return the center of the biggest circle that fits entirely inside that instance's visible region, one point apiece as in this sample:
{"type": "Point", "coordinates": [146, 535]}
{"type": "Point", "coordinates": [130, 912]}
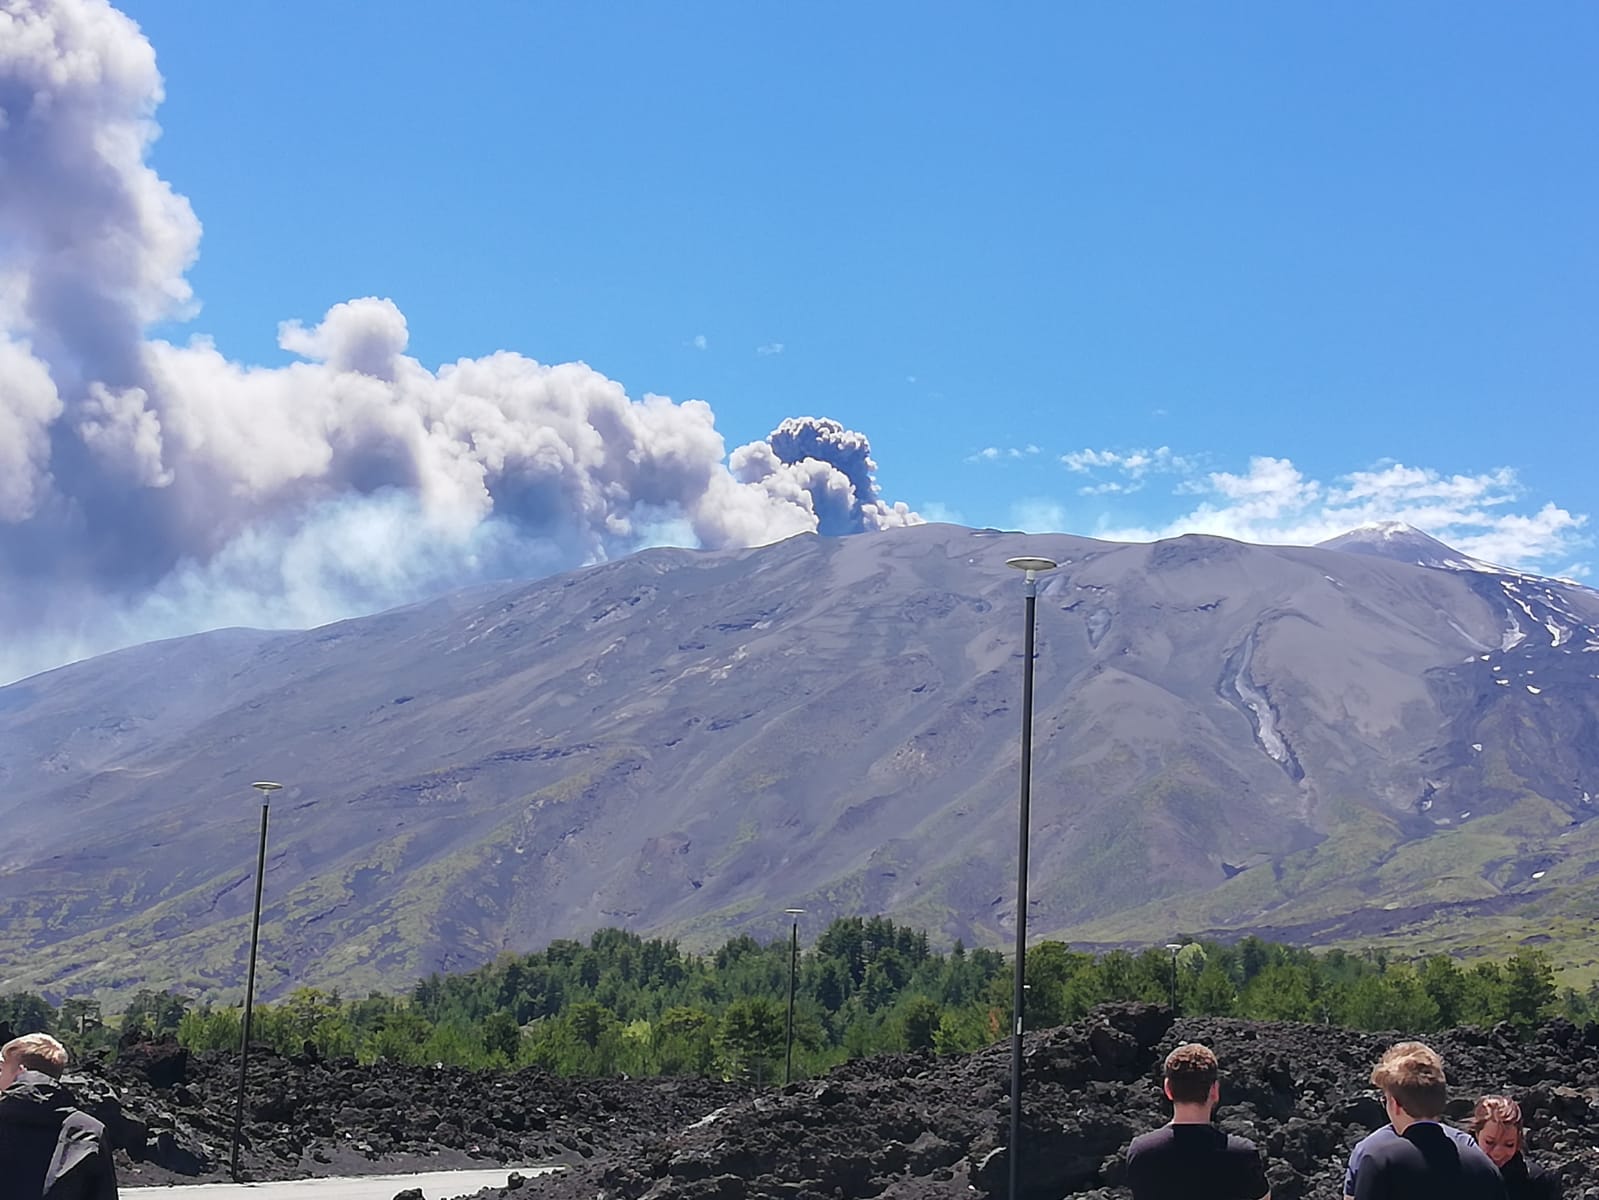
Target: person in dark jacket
{"type": "Point", "coordinates": [1496, 1124]}
{"type": "Point", "coordinates": [49, 1150]}
{"type": "Point", "coordinates": [1191, 1159]}
{"type": "Point", "coordinates": [1415, 1156]}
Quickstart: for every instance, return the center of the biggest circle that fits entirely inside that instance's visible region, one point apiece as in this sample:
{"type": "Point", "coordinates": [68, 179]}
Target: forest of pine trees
{"type": "Point", "coordinates": [622, 1003]}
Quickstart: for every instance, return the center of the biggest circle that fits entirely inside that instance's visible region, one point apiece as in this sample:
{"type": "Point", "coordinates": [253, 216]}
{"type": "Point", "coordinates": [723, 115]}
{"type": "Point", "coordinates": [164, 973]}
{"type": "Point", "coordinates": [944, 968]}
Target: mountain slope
{"type": "Point", "coordinates": [1227, 737]}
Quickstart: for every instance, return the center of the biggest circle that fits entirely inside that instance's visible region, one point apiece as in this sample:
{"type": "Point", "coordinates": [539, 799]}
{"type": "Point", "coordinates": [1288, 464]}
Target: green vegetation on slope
{"type": "Point", "coordinates": [624, 1003]}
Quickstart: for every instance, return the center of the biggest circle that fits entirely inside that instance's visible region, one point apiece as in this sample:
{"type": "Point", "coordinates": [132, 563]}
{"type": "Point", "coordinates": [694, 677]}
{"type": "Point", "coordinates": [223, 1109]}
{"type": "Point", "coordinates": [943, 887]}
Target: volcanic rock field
{"type": "Point", "coordinates": [899, 1126]}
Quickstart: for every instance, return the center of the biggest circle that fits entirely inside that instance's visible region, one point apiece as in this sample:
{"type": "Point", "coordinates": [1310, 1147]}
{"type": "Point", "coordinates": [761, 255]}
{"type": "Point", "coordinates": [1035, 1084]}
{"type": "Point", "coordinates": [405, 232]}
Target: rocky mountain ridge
{"type": "Point", "coordinates": [1316, 743]}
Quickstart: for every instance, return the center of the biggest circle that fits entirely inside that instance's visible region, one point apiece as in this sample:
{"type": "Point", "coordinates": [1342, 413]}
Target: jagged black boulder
{"type": "Point", "coordinates": [902, 1127]}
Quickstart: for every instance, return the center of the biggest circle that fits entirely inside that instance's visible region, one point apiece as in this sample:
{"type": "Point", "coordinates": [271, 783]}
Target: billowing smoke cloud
{"type": "Point", "coordinates": [819, 458]}
{"type": "Point", "coordinates": [150, 488]}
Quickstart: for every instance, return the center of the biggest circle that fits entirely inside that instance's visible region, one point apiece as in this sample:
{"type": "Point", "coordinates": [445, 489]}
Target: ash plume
{"type": "Point", "coordinates": [150, 488]}
{"type": "Point", "coordinates": [844, 496]}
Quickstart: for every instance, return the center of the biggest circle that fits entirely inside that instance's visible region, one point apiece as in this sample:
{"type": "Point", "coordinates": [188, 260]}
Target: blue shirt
{"type": "Point", "coordinates": [1386, 1134]}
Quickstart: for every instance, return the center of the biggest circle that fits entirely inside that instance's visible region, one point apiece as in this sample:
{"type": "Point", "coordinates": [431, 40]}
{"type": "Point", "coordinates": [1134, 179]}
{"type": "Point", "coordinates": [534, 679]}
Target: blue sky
{"type": "Point", "coordinates": [1338, 235]}
{"type": "Point", "coordinates": [1129, 271]}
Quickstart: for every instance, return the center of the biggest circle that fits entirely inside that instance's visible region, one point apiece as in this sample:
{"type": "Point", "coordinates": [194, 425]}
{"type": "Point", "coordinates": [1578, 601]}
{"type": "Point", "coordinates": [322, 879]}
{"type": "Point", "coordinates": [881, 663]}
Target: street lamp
{"type": "Point", "coordinates": [266, 789]}
{"type": "Point", "coordinates": [1032, 567]}
{"type": "Point", "coordinates": [793, 971]}
{"type": "Point", "coordinates": [1174, 947]}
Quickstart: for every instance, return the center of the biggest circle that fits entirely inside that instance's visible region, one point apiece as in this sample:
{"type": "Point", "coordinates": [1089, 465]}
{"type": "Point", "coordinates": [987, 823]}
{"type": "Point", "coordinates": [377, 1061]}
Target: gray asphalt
{"type": "Point", "coordinates": [435, 1185]}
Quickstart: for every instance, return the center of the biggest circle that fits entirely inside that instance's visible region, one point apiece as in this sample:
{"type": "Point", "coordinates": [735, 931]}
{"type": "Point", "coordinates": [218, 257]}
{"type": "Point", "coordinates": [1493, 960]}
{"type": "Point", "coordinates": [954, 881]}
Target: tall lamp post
{"type": "Point", "coordinates": [1032, 567]}
{"type": "Point", "coordinates": [1175, 948]}
{"type": "Point", "coordinates": [266, 788]}
{"type": "Point", "coordinates": [793, 972]}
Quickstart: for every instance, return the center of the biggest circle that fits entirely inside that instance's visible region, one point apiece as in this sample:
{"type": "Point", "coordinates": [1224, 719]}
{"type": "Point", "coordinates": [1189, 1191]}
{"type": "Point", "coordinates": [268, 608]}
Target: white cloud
{"type": "Point", "coordinates": [1131, 468]}
{"type": "Point", "coordinates": [1038, 515]}
{"type": "Point", "coordinates": [995, 453]}
{"type": "Point", "coordinates": [936, 510]}
{"type": "Point", "coordinates": [1514, 539]}
{"type": "Point", "coordinates": [1275, 502]}
{"type": "Point", "coordinates": [1416, 483]}
{"type": "Point", "coordinates": [700, 342]}
{"type": "Point", "coordinates": [1272, 488]}
{"type": "Point", "coordinates": [769, 349]}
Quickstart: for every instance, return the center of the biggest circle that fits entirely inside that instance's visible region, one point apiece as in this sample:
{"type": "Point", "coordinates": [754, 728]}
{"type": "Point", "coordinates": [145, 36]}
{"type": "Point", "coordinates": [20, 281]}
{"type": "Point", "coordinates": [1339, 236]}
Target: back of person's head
{"type": "Point", "coordinates": [1413, 1075]}
{"type": "Point", "coordinates": [35, 1052]}
{"type": "Point", "coordinates": [1190, 1073]}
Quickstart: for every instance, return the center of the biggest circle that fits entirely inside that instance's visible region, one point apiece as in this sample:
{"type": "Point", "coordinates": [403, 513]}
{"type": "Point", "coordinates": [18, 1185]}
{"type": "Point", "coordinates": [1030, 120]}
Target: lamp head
{"type": "Point", "coordinates": [1175, 946]}
{"type": "Point", "coordinates": [266, 788]}
{"type": "Point", "coordinates": [1031, 564]}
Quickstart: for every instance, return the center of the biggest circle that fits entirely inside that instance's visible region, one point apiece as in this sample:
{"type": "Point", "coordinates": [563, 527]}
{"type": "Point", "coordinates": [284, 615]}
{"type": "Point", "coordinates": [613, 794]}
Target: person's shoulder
{"type": "Point", "coordinates": [1241, 1145]}
{"type": "Point", "coordinates": [1459, 1136]}
{"type": "Point", "coordinates": [1149, 1141]}
{"type": "Point", "coordinates": [1376, 1137]}
{"type": "Point", "coordinates": [1388, 1148]}
{"type": "Point", "coordinates": [25, 1099]}
{"type": "Point", "coordinates": [1470, 1151]}
{"type": "Point", "coordinates": [1474, 1161]}
{"type": "Point", "coordinates": [83, 1124]}
{"type": "Point", "coordinates": [1544, 1182]}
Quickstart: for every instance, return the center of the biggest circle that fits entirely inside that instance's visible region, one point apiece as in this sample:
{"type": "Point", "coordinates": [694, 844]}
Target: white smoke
{"type": "Point", "coordinates": [28, 406]}
{"type": "Point", "coordinates": [150, 488]}
{"type": "Point", "coordinates": [98, 241]}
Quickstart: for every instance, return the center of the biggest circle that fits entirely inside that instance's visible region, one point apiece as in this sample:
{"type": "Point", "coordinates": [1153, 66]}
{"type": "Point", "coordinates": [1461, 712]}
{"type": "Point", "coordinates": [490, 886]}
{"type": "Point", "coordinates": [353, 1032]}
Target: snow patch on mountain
{"type": "Point", "coordinates": [1534, 601]}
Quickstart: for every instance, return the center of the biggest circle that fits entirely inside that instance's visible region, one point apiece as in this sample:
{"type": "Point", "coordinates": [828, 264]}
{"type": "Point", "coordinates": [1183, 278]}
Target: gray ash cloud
{"type": "Point", "coordinates": [149, 488]}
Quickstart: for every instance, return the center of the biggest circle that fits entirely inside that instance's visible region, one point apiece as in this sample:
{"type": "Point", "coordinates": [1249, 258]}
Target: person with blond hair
{"type": "Point", "coordinates": [1496, 1124]}
{"type": "Point", "coordinates": [49, 1150]}
{"type": "Point", "coordinates": [1190, 1159]}
{"type": "Point", "coordinates": [1416, 1156]}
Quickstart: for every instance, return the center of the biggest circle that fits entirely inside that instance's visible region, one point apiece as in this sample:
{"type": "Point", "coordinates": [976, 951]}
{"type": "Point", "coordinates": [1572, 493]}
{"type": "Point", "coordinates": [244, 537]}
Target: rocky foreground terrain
{"type": "Point", "coordinates": [908, 1126]}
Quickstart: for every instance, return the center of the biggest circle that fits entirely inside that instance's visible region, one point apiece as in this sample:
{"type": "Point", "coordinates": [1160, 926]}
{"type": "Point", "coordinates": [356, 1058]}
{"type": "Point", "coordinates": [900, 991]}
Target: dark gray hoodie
{"type": "Point", "coordinates": [48, 1149]}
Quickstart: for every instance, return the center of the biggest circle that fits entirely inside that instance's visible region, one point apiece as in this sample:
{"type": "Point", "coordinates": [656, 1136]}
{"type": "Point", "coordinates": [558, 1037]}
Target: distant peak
{"type": "Point", "coordinates": [1401, 541]}
{"type": "Point", "coordinates": [1387, 529]}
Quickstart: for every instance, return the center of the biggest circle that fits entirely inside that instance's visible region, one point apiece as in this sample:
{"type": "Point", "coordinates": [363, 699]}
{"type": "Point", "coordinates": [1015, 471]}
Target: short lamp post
{"type": "Point", "coordinates": [1175, 948]}
{"type": "Point", "coordinates": [1033, 567]}
{"type": "Point", "coordinates": [793, 973]}
{"type": "Point", "coordinates": [266, 789]}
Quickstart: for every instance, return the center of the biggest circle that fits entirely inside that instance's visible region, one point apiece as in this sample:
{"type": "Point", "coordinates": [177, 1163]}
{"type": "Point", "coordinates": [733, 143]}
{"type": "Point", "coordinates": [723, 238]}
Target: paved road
{"type": "Point", "coordinates": [435, 1186]}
